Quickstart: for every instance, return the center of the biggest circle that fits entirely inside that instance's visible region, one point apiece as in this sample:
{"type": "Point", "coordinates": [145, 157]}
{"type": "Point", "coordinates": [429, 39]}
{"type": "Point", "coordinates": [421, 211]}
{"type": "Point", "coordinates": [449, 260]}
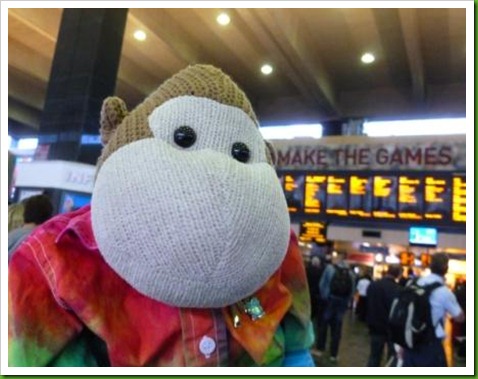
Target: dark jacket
{"type": "Point", "coordinates": [380, 295]}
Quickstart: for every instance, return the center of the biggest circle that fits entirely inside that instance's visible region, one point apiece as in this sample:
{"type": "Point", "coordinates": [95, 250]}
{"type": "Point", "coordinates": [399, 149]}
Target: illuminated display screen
{"type": "Point", "coordinates": [315, 191]}
{"type": "Point", "coordinates": [459, 199]}
{"type": "Point", "coordinates": [384, 203]}
{"type": "Point", "coordinates": [312, 231]}
{"type": "Point", "coordinates": [360, 196]}
{"type": "Point", "coordinates": [428, 198]}
{"type": "Point", "coordinates": [437, 198]}
{"type": "Point", "coordinates": [410, 198]}
{"type": "Point", "coordinates": [423, 236]}
{"type": "Point", "coordinates": [337, 192]}
{"type": "Point", "coordinates": [294, 192]}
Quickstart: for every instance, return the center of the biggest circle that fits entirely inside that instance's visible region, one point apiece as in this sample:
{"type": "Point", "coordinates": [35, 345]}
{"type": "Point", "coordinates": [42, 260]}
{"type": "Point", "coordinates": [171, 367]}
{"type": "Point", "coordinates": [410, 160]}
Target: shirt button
{"type": "Point", "coordinates": [206, 346]}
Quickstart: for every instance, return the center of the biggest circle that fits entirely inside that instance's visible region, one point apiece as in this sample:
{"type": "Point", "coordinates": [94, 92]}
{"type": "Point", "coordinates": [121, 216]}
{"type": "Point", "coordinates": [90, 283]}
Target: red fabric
{"type": "Point", "coordinates": [59, 283]}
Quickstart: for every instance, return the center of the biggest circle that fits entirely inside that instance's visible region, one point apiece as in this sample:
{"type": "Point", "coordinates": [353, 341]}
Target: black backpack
{"type": "Point", "coordinates": [341, 284]}
{"type": "Point", "coordinates": [410, 322]}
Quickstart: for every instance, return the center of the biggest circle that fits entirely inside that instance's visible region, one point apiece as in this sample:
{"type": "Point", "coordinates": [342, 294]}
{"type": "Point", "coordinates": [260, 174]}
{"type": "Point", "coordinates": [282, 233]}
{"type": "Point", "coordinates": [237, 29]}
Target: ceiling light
{"type": "Point", "coordinates": [367, 58]}
{"type": "Point", "coordinates": [139, 35]}
{"type": "Point", "coordinates": [223, 19]}
{"type": "Point", "coordinates": [267, 69]}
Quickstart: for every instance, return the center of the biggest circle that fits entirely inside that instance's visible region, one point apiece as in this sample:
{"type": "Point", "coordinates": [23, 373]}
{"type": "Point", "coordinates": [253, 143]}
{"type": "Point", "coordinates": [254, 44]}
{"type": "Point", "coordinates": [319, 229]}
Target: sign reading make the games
{"type": "Point", "coordinates": [435, 153]}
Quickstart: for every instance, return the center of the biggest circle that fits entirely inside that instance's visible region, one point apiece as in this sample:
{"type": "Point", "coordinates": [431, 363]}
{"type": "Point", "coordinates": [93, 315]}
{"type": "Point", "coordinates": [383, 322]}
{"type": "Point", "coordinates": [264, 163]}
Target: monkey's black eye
{"type": "Point", "coordinates": [184, 136]}
{"type": "Point", "coordinates": [241, 152]}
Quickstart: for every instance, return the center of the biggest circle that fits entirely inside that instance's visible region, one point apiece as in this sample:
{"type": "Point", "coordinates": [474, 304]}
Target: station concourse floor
{"type": "Point", "coordinates": [355, 346]}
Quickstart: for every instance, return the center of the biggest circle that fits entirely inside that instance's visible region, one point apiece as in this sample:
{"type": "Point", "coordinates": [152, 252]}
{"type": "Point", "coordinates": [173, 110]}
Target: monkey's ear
{"type": "Point", "coordinates": [270, 153]}
{"type": "Point", "coordinates": [113, 111]}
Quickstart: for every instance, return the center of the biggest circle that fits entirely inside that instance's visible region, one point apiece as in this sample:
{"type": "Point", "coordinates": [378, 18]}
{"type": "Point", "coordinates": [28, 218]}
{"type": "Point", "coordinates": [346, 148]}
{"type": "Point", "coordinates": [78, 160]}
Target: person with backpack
{"type": "Point", "coordinates": [380, 295]}
{"type": "Point", "coordinates": [336, 289]}
{"type": "Point", "coordinates": [418, 314]}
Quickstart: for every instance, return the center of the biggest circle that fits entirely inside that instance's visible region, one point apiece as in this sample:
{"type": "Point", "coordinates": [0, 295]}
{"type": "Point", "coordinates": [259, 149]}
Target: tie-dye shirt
{"type": "Point", "coordinates": [67, 307]}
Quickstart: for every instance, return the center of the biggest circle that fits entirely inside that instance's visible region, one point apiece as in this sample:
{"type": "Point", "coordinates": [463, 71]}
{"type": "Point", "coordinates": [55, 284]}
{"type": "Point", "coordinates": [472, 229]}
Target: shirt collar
{"type": "Point", "coordinates": [80, 225]}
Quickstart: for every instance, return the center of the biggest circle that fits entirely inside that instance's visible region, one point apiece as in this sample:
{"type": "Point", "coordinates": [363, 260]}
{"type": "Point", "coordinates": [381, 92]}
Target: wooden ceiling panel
{"type": "Point", "coordinates": [132, 73]}
{"type": "Point", "coordinates": [24, 59]}
{"type": "Point", "coordinates": [28, 34]}
{"type": "Point", "coordinates": [289, 27]}
{"type": "Point", "coordinates": [44, 21]}
{"type": "Point", "coordinates": [420, 57]}
{"type": "Point", "coordinates": [365, 37]}
{"type": "Point", "coordinates": [154, 54]}
{"type": "Point", "coordinates": [229, 47]}
{"type": "Point", "coordinates": [332, 43]}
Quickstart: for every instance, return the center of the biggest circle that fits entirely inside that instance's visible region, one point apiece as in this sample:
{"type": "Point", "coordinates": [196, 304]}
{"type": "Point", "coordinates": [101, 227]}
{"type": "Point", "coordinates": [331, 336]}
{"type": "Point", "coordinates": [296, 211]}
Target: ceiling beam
{"type": "Point", "coordinates": [411, 38]}
{"type": "Point", "coordinates": [23, 114]}
{"type": "Point", "coordinates": [28, 89]}
{"type": "Point", "coordinates": [45, 22]}
{"type": "Point", "coordinates": [290, 57]}
{"type": "Point", "coordinates": [387, 22]}
{"type": "Point", "coordinates": [288, 27]}
{"type": "Point", "coordinates": [25, 59]}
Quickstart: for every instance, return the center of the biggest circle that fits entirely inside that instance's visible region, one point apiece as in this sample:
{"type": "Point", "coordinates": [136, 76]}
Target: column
{"type": "Point", "coordinates": [83, 73]}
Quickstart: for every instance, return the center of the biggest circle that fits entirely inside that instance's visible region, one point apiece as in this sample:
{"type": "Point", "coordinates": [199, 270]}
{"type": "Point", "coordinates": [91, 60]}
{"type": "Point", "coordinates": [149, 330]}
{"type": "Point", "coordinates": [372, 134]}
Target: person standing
{"type": "Point", "coordinates": [380, 295]}
{"type": "Point", "coordinates": [37, 210]}
{"type": "Point", "coordinates": [442, 302]}
{"type": "Point", "coordinates": [314, 271]}
{"type": "Point", "coordinates": [336, 289]}
{"type": "Point", "coordinates": [362, 286]}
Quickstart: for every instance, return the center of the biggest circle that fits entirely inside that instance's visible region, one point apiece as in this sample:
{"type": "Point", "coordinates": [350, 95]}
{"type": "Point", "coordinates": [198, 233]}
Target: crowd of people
{"type": "Point", "coordinates": [334, 289]}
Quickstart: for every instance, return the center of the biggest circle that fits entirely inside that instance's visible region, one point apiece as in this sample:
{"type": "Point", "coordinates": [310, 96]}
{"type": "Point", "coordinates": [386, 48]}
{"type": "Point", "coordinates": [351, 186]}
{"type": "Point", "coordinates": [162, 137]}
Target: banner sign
{"type": "Point", "coordinates": [437, 153]}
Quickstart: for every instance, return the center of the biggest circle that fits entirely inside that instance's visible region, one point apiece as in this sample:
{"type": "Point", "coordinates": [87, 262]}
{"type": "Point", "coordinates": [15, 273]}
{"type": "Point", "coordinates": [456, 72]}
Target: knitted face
{"type": "Point", "coordinates": [186, 207]}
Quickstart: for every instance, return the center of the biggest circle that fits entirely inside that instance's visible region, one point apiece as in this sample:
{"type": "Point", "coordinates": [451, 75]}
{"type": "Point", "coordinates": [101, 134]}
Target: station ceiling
{"type": "Point", "coordinates": [419, 67]}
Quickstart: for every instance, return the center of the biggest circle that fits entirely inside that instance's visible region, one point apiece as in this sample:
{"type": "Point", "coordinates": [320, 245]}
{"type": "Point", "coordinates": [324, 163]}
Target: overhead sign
{"type": "Point", "coordinates": [66, 175]}
{"type": "Point", "coordinates": [438, 153]}
{"type": "Point", "coordinates": [313, 231]}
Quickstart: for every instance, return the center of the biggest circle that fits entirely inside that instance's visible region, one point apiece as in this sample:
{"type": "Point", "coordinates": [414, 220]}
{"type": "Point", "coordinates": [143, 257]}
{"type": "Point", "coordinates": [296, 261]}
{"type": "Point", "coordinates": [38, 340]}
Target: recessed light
{"type": "Point", "coordinates": [139, 35]}
{"type": "Point", "coordinates": [267, 69]}
{"type": "Point", "coordinates": [223, 19]}
{"type": "Point", "coordinates": [367, 58]}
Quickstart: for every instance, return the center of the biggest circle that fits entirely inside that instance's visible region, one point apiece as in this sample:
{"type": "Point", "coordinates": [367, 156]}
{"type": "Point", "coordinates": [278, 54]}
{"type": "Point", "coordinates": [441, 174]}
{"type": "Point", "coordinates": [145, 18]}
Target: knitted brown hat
{"type": "Point", "coordinates": [197, 80]}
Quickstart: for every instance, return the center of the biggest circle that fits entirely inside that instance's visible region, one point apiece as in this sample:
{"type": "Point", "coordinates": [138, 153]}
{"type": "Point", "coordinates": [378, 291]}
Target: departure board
{"type": "Point", "coordinates": [436, 205]}
{"type": "Point", "coordinates": [459, 199]}
{"type": "Point", "coordinates": [429, 198]}
{"type": "Point", "coordinates": [315, 192]}
{"type": "Point", "coordinates": [360, 195]}
{"type": "Point", "coordinates": [312, 231]}
{"type": "Point", "coordinates": [294, 192]}
{"type": "Point", "coordinates": [337, 193]}
{"type": "Point", "coordinates": [384, 204]}
{"type": "Point", "coordinates": [410, 198]}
